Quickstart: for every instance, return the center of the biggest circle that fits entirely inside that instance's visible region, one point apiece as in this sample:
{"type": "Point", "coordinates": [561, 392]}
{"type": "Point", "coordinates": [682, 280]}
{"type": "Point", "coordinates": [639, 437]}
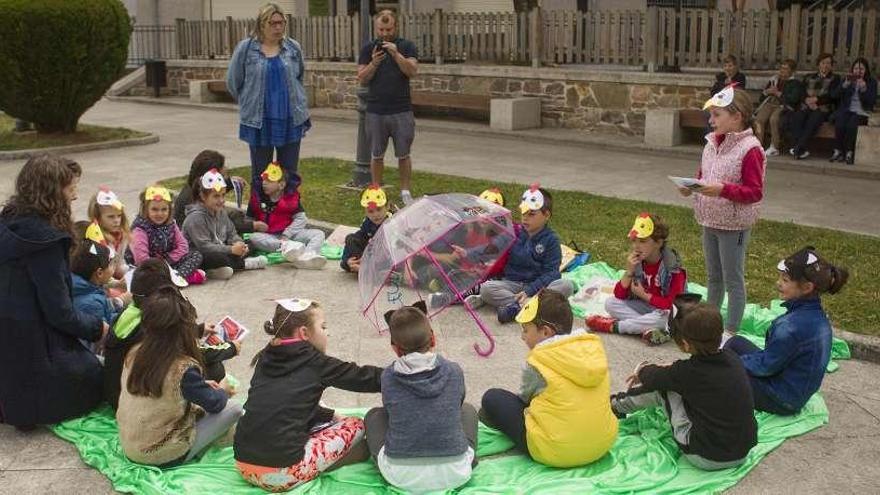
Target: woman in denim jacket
{"type": "Point", "coordinates": [797, 348]}
{"type": "Point", "coordinates": [265, 77]}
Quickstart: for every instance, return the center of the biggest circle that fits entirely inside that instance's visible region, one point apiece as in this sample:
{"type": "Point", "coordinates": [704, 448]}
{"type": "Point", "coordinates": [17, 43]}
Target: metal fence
{"type": "Point", "coordinates": [152, 42]}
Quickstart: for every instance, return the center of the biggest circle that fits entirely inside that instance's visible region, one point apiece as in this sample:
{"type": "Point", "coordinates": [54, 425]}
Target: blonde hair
{"type": "Point", "coordinates": [386, 16]}
{"type": "Point", "coordinates": [94, 213]}
{"type": "Point", "coordinates": [263, 16]}
{"type": "Point", "coordinates": [742, 104]}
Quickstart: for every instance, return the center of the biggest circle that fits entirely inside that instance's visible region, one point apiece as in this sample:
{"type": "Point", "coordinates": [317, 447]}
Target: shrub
{"type": "Point", "coordinates": [58, 57]}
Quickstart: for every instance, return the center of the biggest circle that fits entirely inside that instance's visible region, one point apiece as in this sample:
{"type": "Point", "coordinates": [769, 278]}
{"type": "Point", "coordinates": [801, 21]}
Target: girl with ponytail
{"type": "Point", "coordinates": [797, 348]}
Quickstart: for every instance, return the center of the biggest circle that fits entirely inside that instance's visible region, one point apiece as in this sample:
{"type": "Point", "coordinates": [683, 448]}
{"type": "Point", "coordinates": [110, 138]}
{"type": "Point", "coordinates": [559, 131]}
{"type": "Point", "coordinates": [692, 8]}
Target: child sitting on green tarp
{"type": "Point", "coordinates": [562, 417]}
{"type": "Point", "coordinates": [707, 398]}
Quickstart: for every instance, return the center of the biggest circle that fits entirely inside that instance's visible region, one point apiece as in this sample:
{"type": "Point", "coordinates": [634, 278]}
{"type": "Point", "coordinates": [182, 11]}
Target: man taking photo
{"type": "Point", "coordinates": [386, 66]}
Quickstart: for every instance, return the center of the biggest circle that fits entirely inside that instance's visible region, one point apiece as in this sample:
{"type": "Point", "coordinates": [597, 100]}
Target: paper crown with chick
{"type": "Point", "coordinates": [106, 197]}
{"type": "Point", "coordinates": [157, 193]}
{"type": "Point", "coordinates": [373, 197]}
{"type": "Point", "coordinates": [532, 199]}
{"type": "Point", "coordinates": [213, 179]}
{"type": "Point", "coordinates": [493, 195]}
{"type": "Point", "coordinates": [642, 228]}
{"type": "Point", "coordinates": [272, 173]}
{"type": "Point", "coordinates": [96, 235]}
{"type": "Point", "coordinates": [722, 98]}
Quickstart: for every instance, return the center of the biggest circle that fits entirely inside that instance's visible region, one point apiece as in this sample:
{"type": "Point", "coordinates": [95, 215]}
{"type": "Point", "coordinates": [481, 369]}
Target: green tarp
{"type": "Point", "coordinates": [644, 459]}
{"type": "Point", "coordinates": [755, 323]}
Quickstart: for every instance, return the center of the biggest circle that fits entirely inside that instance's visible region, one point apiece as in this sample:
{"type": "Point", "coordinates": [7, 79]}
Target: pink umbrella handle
{"type": "Point", "coordinates": [467, 306]}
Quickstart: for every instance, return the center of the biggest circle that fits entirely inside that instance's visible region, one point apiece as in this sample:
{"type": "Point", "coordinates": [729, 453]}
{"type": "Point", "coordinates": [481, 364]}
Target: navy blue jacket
{"type": "Point", "coordinates": [844, 95]}
{"type": "Point", "coordinates": [356, 243]}
{"type": "Point", "coordinates": [46, 374]}
{"type": "Point", "coordinates": [796, 352]}
{"type": "Point", "coordinates": [534, 260]}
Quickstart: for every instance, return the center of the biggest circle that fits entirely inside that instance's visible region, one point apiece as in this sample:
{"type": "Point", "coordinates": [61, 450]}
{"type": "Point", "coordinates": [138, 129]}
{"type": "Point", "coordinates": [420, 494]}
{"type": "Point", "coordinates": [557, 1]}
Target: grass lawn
{"type": "Point", "coordinates": [599, 225]}
{"type": "Point", "coordinates": [11, 141]}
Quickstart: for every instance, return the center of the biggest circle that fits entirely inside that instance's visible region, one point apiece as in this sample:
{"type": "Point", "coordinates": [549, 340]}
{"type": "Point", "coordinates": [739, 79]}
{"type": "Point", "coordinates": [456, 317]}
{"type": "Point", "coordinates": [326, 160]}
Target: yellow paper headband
{"type": "Point", "coordinates": [642, 228]}
{"type": "Point", "coordinates": [157, 193]}
{"type": "Point", "coordinates": [273, 172]}
{"type": "Point", "coordinates": [529, 312]}
{"type": "Point", "coordinates": [96, 235]}
{"type": "Point", "coordinates": [493, 195]}
{"type": "Point", "coordinates": [373, 197]}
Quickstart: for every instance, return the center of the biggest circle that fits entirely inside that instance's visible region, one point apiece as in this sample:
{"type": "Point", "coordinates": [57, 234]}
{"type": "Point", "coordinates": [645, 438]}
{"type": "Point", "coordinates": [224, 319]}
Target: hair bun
{"type": "Point", "coordinates": [268, 327]}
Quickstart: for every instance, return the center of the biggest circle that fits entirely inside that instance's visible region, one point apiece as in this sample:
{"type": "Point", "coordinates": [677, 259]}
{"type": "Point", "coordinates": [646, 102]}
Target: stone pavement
{"type": "Point", "coordinates": [841, 457]}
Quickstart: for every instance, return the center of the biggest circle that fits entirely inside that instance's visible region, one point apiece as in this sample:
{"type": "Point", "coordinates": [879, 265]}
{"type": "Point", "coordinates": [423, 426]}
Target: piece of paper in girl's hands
{"type": "Point", "coordinates": [230, 329]}
{"type": "Point", "coordinates": [687, 182]}
{"type": "Point", "coordinates": [127, 277]}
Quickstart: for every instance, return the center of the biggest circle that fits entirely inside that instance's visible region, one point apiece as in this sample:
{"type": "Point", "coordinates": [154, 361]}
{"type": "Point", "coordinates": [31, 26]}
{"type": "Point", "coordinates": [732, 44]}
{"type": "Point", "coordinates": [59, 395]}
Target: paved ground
{"type": "Point", "coordinates": [841, 457]}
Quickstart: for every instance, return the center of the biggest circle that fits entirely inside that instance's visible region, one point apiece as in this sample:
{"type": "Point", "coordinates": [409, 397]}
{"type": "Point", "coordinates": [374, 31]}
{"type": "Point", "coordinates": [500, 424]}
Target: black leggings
{"type": "Point", "coordinates": [376, 424]}
{"type": "Point", "coordinates": [212, 260]}
{"type": "Point", "coordinates": [846, 129]}
{"type": "Point", "coordinates": [505, 411]}
{"type": "Point", "coordinates": [803, 125]}
{"type": "Point", "coordinates": [763, 402]}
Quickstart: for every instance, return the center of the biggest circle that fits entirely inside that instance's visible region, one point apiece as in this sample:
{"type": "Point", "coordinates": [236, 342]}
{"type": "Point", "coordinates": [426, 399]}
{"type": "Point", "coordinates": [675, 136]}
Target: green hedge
{"type": "Point", "coordinates": [58, 57]}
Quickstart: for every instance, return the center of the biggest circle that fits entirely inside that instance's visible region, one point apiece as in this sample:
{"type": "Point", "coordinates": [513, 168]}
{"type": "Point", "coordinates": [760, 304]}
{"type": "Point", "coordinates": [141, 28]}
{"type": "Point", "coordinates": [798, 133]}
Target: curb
{"type": "Point", "coordinates": [589, 141]}
{"type": "Point", "coordinates": [77, 148]}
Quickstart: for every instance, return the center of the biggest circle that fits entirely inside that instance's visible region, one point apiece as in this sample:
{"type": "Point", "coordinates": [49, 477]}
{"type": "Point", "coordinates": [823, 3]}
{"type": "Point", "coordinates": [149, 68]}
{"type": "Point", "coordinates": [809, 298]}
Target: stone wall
{"type": "Point", "coordinates": [607, 101]}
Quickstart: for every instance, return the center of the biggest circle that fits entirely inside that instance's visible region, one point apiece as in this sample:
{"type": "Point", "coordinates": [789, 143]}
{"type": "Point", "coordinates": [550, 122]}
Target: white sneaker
{"type": "Point", "coordinates": [771, 151]}
{"type": "Point", "coordinates": [222, 273]}
{"type": "Point", "coordinates": [292, 250]}
{"type": "Point", "coordinates": [474, 301]}
{"type": "Point", "coordinates": [256, 263]}
{"type": "Point", "coordinates": [791, 151]}
{"type": "Point", "coordinates": [406, 197]}
{"type": "Point", "coordinates": [310, 261]}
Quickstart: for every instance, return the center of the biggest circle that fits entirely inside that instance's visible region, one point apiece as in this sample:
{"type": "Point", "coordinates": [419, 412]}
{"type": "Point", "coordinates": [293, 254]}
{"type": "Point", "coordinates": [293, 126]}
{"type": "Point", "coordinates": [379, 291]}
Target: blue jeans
{"type": "Point", "coordinates": [287, 156]}
{"type": "Point", "coordinates": [763, 401]}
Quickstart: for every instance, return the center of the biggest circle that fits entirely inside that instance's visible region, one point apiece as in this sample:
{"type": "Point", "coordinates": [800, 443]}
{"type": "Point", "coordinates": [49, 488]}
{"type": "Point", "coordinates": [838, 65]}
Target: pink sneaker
{"type": "Point", "coordinates": [197, 277]}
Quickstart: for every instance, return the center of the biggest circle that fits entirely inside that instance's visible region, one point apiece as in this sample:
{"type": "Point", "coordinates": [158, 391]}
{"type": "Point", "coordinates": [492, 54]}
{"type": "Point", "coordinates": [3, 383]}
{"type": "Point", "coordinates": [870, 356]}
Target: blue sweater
{"type": "Point", "coordinates": [91, 299]}
{"type": "Point", "coordinates": [356, 243]}
{"type": "Point", "coordinates": [797, 350]}
{"type": "Point", "coordinates": [534, 260]}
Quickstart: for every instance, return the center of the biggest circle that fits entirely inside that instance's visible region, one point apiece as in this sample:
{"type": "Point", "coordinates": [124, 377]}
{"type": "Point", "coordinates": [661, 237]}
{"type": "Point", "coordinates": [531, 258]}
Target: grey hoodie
{"type": "Point", "coordinates": [209, 232]}
{"type": "Point", "coordinates": [423, 394]}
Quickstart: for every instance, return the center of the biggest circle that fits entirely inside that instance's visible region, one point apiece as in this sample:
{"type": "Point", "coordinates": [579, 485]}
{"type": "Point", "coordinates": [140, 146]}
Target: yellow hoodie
{"type": "Point", "coordinates": [570, 422]}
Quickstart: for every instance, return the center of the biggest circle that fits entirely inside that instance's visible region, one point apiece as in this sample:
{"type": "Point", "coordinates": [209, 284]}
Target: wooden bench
{"type": "Point", "coordinates": [465, 105]}
{"type": "Point", "coordinates": [209, 91]}
{"type": "Point", "coordinates": [669, 127]}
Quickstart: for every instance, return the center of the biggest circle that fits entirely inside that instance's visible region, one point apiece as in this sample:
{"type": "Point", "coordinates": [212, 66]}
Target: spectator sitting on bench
{"type": "Point", "coordinates": [782, 95]}
{"type": "Point", "coordinates": [856, 97]}
{"type": "Point", "coordinates": [729, 74]}
{"type": "Point", "coordinates": [817, 106]}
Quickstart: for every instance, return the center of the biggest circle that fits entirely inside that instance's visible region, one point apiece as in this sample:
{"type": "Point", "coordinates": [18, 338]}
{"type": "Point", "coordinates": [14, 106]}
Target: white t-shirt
{"type": "Point", "coordinates": [426, 474]}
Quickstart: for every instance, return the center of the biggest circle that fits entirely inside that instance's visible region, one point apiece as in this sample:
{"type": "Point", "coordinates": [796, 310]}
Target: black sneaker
{"type": "Point", "coordinates": [507, 314]}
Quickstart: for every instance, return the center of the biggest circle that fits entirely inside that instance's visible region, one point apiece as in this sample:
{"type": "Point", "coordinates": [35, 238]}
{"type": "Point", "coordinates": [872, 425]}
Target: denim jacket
{"type": "Point", "coordinates": [246, 80]}
{"type": "Point", "coordinates": [797, 350]}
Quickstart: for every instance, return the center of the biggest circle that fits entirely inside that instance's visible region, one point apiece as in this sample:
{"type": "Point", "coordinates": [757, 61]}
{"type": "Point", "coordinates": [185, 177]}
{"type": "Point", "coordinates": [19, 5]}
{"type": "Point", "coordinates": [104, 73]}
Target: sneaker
{"type": "Point", "coordinates": [602, 324]}
{"type": "Point", "coordinates": [837, 156]}
{"type": "Point", "coordinates": [406, 197]}
{"type": "Point", "coordinates": [474, 301]}
{"type": "Point", "coordinates": [614, 399]}
{"type": "Point", "coordinates": [310, 261]}
{"type": "Point", "coordinates": [256, 263]}
{"type": "Point", "coordinates": [803, 154]}
{"type": "Point", "coordinates": [196, 278]}
{"type": "Point", "coordinates": [655, 336]}
{"type": "Point", "coordinates": [292, 250]}
{"type": "Point", "coordinates": [771, 151]}
{"type": "Point", "coordinates": [222, 273]}
{"type": "Point", "coordinates": [791, 151]}
{"type": "Point", "coordinates": [437, 300]}
{"type": "Point", "coordinates": [850, 158]}
{"type": "Point", "coordinates": [507, 314]}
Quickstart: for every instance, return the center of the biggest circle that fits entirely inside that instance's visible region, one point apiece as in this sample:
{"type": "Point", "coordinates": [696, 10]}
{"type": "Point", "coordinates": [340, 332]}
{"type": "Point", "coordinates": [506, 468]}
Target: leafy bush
{"type": "Point", "coordinates": [58, 57]}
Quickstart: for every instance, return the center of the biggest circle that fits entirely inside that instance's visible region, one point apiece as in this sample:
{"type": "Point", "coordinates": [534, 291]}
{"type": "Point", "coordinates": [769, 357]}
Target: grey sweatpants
{"type": "Point", "coordinates": [634, 316]}
{"type": "Point", "coordinates": [312, 238]}
{"type": "Point", "coordinates": [499, 293]}
{"type": "Point", "coordinates": [681, 424]}
{"type": "Point", "coordinates": [725, 255]}
{"type": "Point", "coordinates": [213, 426]}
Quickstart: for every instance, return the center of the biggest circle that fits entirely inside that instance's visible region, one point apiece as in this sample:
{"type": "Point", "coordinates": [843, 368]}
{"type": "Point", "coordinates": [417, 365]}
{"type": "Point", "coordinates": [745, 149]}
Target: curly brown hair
{"type": "Point", "coordinates": [39, 190]}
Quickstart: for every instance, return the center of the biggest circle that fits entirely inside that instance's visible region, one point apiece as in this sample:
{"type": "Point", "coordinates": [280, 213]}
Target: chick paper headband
{"type": "Point", "coordinates": [642, 228]}
{"type": "Point", "coordinates": [532, 199]}
{"type": "Point", "coordinates": [93, 249]}
{"type": "Point", "coordinates": [493, 195]}
{"type": "Point", "coordinates": [213, 180]}
{"type": "Point", "coordinates": [273, 172]}
{"type": "Point", "coordinates": [373, 197]}
{"type": "Point", "coordinates": [157, 193]}
{"type": "Point", "coordinates": [529, 312]}
{"type": "Point", "coordinates": [96, 235]}
{"type": "Point", "coordinates": [106, 197]}
{"type": "Point", "coordinates": [721, 99]}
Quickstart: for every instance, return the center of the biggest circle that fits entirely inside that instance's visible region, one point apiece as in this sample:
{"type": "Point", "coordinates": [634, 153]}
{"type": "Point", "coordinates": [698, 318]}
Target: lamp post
{"type": "Point", "coordinates": [361, 176]}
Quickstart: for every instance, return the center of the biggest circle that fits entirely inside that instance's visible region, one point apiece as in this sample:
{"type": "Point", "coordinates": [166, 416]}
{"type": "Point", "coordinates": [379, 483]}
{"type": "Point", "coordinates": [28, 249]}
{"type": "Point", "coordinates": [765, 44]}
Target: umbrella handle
{"type": "Point", "coordinates": [490, 338]}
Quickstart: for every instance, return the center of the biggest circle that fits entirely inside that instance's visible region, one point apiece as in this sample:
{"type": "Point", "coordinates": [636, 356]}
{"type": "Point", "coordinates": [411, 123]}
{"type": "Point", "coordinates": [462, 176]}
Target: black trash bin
{"type": "Point", "coordinates": [156, 75]}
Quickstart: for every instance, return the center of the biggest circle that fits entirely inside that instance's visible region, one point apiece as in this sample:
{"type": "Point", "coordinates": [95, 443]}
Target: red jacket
{"type": "Point", "coordinates": [278, 215]}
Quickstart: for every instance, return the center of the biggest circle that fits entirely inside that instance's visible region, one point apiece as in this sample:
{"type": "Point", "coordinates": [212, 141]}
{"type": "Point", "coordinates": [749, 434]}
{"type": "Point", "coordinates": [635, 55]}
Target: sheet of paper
{"type": "Point", "coordinates": [687, 182]}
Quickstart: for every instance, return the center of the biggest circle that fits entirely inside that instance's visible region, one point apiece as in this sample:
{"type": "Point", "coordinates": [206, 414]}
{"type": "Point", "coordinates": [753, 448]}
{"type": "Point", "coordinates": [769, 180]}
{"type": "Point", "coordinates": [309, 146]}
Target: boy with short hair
{"type": "Point", "coordinates": [561, 418]}
{"type": "Point", "coordinates": [533, 260]}
{"type": "Point", "coordinates": [424, 439]}
{"type": "Point", "coordinates": [91, 271]}
{"type": "Point", "coordinates": [707, 397]}
{"type": "Point", "coordinates": [148, 277]}
{"type": "Point", "coordinates": [375, 204]}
